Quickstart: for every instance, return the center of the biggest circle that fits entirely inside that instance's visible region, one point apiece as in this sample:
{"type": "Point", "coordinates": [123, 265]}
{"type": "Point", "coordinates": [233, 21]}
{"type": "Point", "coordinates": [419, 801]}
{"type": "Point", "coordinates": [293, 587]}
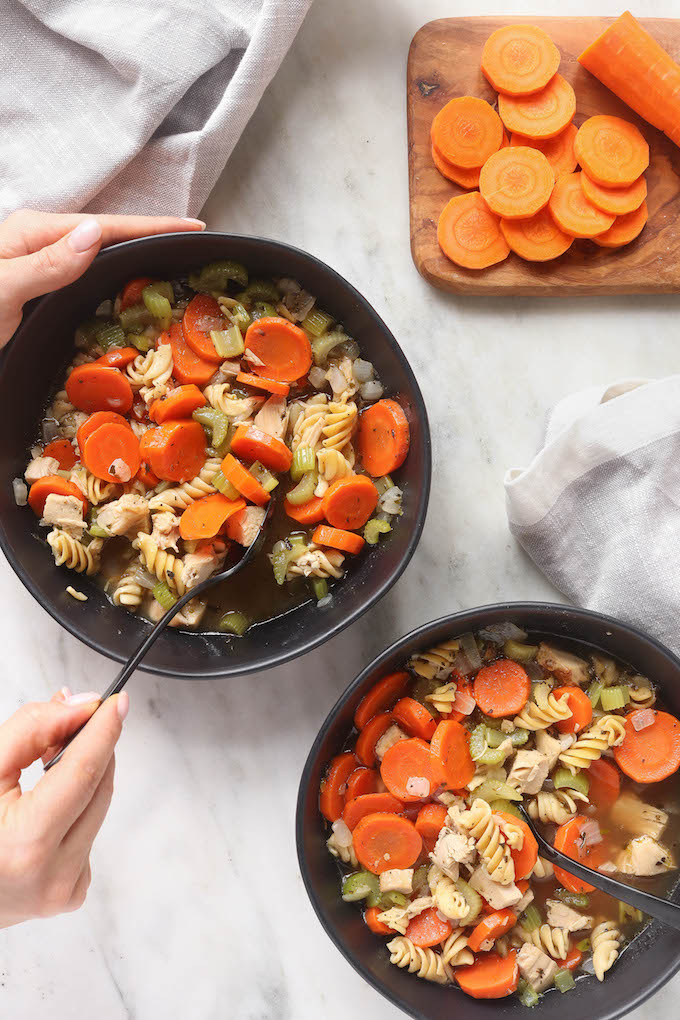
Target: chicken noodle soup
{"type": "Point", "coordinates": [422, 808]}
{"type": "Point", "coordinates": [189, 406]}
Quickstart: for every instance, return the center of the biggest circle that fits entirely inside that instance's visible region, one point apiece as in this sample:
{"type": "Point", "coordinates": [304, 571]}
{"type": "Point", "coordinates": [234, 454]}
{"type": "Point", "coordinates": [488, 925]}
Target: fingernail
{"type": "Point", "coordinates": [197, 223]}
{"type": "Point", "coordinates": [82, 699]}
{"type": "Point", "coordinates": [123, 705]}
{"type": "Point", "coordinates": [65, 692]}
{"type": "Point", "coordinates": [85, 235]}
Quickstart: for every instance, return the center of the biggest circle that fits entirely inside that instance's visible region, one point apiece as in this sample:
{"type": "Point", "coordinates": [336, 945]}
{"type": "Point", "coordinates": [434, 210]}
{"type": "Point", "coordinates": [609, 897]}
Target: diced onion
{"type": "Point", "coordinates": [642, 719]}
{"type": "Point", "coordinates": [469, 648]}
{"type": "Point", "coordinates": [50, 430]}
{"type": "Point", "coordinates": [143, 577]}
{"type": "Point", "coordinates": [390, 501]}
{"type": "Point", "coordinates": [325, 601]}
{"type": "Point", "coordinates": [363, 370]}
{"type": "Point", "coordinates": [337, 379]}
{"type": "Point", "coordinates": [342, 833]}
{"type": "Point", "coordinates": [590, 832]}
{"type": "Point", "coordinates": [588, 966]}
{"type": "Point", "coordinates": [20, 491]}
{"type": "Point", "coordinates": [499, 633]}
{"type": "Point", "coordinates": [418, 786]}
{"type": "Point", "coordinates": [608, 867]}
{"type": "Point", "coordinates": [105, 309]}
{"type": "Point", "coordinates": [442, 917]}
{"type": "Point", "coordinates": [464, 703]}
{"type": "Point", "coordinates": [371, 390]}
{"type": "Point", "coordinates": [317, 377]}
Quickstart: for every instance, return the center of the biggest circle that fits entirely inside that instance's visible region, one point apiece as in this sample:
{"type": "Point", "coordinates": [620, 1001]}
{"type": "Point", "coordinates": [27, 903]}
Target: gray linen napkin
{"type": "Point", "coordinates": [598, 509]}
{"type": "Point", "coordinates": [130, 105]}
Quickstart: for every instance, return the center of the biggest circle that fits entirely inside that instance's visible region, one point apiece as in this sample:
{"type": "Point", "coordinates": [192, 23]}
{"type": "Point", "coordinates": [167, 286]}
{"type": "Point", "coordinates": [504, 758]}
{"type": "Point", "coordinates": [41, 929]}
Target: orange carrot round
{"type": "Point", "coordinates": [450, 751]}
{"type": "Point", "coordinates": [204, 517]}
{"type": "Point", "coordinates": [558, 150]}
{"type": "Point", "coordinates": [332, 791]}
{"type": "Point", "coordinates": [466, 131]}
{"type": "Point", "coordinates": [405, 761]}
{"type": "Point", "coordinates": [464, 178]}
{"type": "Point", "coordinates": [429, 823]}
{"type": "Point", "coordinates": [617, 201]}
{"type": "Point", "coordinates": [334, 538]}
{"type": "Point", "coordinates": [384, 437]}
{"type": "Point", "coordinates": [48, 484]}
{"type": "Point", "coordinates": [119, 358]}
{"type": "Point", "coordinates": [107, 447]}
{"type": "Point", "coordinates": [175, 450]}
{"type": "Point", "coordinates": [281, 389]}
{"type": "Point", "coordinates": [414, 718]}
{"type": "Point", "coordinates": [537, 239]}
{"type": "Point", "coordinates": [187, 366]}
{"type": "Point", "coordinates": [605, 784]}
{"type": "Point", "coordinates": [201, 316]}
{"type": "Point", "coordinates": [428, 928]}
{"type": "Point", "coordinates": [516, 182]}
{"type": "Point", "coordinates": [253, 444]}
{"type": "Point", "coordinates": [624, 229]}
{"type": "Point", "coordinates": [61, 450]}
{"type": "Point", "coordinates": [519, 59]}
{"type": "Point", "coordinates": [95, 421]}
{"type": "Point", "coordinates": [380, 697]}
{"type": "Point", "coordinates": [612, 151]}
{"type": "Point", "coordinates": [177, 403]}
{"type": "Point", "coordinates": [653, 753]}
{"type": "Point", "coordinates": [572, 959]}
{"type": "Point", "coordinates": [368, 804]}
{"type": "Point", "coordinates": [491, 928]}
{"type": "Point", "coordinates": [95, 387]}
{"type": "Point", "coordinates": [542, 115]}
{"type": "Point", "coordinates": [349, 502]}
{"type": "Point", "coordinates": [242, 480]}
{"type": "Point", "coordinates": [502, 688]}
{"type": "Point", "coordinates": [132, 291]}
{"type": "Point", "coordinates": [305, 513]}
{"type": "Point", "coordinates": [362, 781]}
{"type": "Point", "coordinates": [572, 211]}
{"type": "Point", "coordinates": [377, 926]}
{"type": "Point", "coordinates": [490, 977]}
{"type": "Point", "coordinates": [569, 840]}
{"type": "Point", "coordinates": [385, 841]}
{"type": "Point", "coordinates": [469, 233]}
{"type": "Point", "coordinates": [581, 710]}
{"type": "Point", "coordinates": [524, 859]}
{"type": "Point", "coordinates": [369, 737]}
{"type": "Point", "coordinates": [282, 348]}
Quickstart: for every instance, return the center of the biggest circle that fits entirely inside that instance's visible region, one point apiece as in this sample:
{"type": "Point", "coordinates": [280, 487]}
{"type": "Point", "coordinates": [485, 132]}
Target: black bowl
{"type": "Point", "coordinates": [644, 966]}
{"type": "Point", "coordinates": [32, 366]}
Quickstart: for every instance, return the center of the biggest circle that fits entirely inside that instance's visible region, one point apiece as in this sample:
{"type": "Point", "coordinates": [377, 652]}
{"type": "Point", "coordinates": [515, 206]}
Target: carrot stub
{"type": "Point", "coordinates": [349, 502]}
{"type": "Point", "coordinates": [519, 59]}
{"type": "Point", "coordinates": [369, 737]}
{"type": "Point", "coordinates": [252, 444]}
{"type": "Point", "coordinates": [428, 929]}
{"type": "Point", "coordinates": [414, 718]}
{"type": "Point", "coordinates": [332, 790]}
{"type": "Point", "coordinates": [41, 489]}
{"type": "Point", "coordinates": [537, 239]}
{"type": "Point", "coordinates": [241, 479]}
{"type": "Point", "coordinates": [202, 315]}
{"type": "Point", "coordinates": [470, 234]}
{"type": "Point", "coordinates": [408, 770]}
{"type": "Point", "coordinates": [429, 823]}
{"type": "Point", "coordinates": [178, 403]}
{"type": "Point", "coordinates": [491, 927]}
{"type": "Point", "coordinates": [569, 839]}
{"type": "Point", "coordinates": [204, 517]}
{"type": "Point", "coordinates": [490, 977]}
{"type": "Point", "coordinates": [282, 348]}
{"type": "Point", "coordinates": [305, 513]}
{"type": "Point", "coordinates": [384, 437]}
{"type": "Point", "coordinates": [335, 538]}
{"type": "Point", "coordinates": [612, 151]}
{"type": "Point", "coordinates": [259, 382]}
{"type": "Point", "coordinates": [653, 753]}
{"type": "Point", "coordinates": [450, 752]}
{"type": "Point", "coordinates": [525, 858]}
{"type": "Point", "coordinates": [542, 115]}
{"type": "Point", "coordinates": [605, 784]}
{"type": "Point", "coordinates": [572, 211]}
{"type": "Point", "coordinates": [362, 781]}
{"type": "Point", "coordinates": [62, 451]}
{"type": "Point", "coordinates": [516, 182]}
{"type": "Point", "coordinates": [188, 367]}
{"type": "Point", "coordinates": [95, 387]}
{"type": "Point", "coordinates": [132, 291]}
{"type": "Point", "coordinates": [617, 201]}
{"type": "Point", "coordinates": [559, 150]}
{"type": "Point", "coordinates": [467, 131]}
{"type": "Point", "coordinates": [95, 421]}
{"type": "Point", "coordinates": [502, 688]}
{"type": "Point", "coordinates": [109, 447]}
{"type": "Point", "coordinates": [624, 229]}
{"type": "Point", "coordinates": [368, 804]}
{"type": "Point", "coordinates": [381, 696]}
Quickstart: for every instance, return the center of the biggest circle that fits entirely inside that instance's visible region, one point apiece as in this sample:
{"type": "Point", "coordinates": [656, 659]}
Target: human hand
{"type": "Point", "coordinates": [46, 834]}
{"type": "Point", "coordinates": [40, 252]}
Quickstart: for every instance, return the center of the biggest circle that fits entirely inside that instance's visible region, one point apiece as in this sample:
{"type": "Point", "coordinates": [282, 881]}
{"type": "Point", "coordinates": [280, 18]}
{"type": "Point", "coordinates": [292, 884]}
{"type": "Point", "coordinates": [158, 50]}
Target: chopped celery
{"type": "Point", "coordinates": [304, 490]}
{"type": "Point", "coordinates": [214, 420]}
{"type": "Point", "coordinates": [564, 980]}
{"type": "Point", "coordinates": [237, 313]}
{"type": "Point", "coordinates": [584, 945]}
{"type": "Point", "coordinates": [492, 789]}
{"type": "Point", "coordinates": [234, 623]}
{"type": "Point", "coordinates": [284, 551]}
{"type": "Point", "coordinates": [472, 898]}
{"type": "Point", "coordinates": [110, 336]}
{"type": "Point", "coordinates": [319, 588]}
{"type": "Point", "coordinates": [164, 288]}
{"type": "Point", "coordinates": [262, 310]}
{"type": "Point", "coordinates": [304, 459]}
{"type": "Point", "coordinates": [228, 342]}
{"type": "Point", "coordinates": [141, 342]}
{"type": "Point", "coordinates": [507, 806]}
{"type": "Point", "coordinates": [225, 487]}
{"type": "Point", "coordinates": [563, 780]}
{"type": "Point", "coordinates": [360, 886]}
{"type": "Point", "coordinates": [158, 306]}
{"type": "Point", "coordinates": [496, 737]}
{"type": "Point", "coordinates": [420, 877]}
{"type": "Point", "coordinates": [97, 531]}
{"type": "Point", "coordinates": [528, 995]}
{"type": "Point", "coordinates": [393, 899]}
{"type": "Point", "coordinates": [259, 290]}
{"type": "Point", "coordinates": [383, 483]}
{"type": "Point", "coordinates": [374, 529]}
{"type": "Point", "coordinates": [629, 915]}
{"type": "Point", "coordinates": [480, 750]}
{"type": "Point", "coordinates": [323, 345]}
{"type": "Point", "coordinates": [594, 692]}
{"type": "Point", "coordinates": [316, 322]}
{"type": "Point", "coordinates": [531, 918]}
{"type": "Point", "coordinates": [518, 651]}
{"type": "Point", "coordinates": [614, 697]}
{"type": "Point", "coordinates": [136, 317]}
{"type": "Point", "coordinates": [86, 332]}
{"type": "Point", "coordinates": [217, 275]}
{"type": "Point", "coordinates": [573, 899]}
{"type": "Point", "coordinates": [163, 595]}
{"type": "Point", "coordinates": [267, 480]}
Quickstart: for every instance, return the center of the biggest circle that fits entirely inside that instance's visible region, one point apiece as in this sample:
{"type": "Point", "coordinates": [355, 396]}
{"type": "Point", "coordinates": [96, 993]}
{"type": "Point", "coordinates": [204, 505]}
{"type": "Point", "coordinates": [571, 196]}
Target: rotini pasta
{"type": "Point", "coordinates": [605, 942]}
{"type": "Point", "coordinates": [542, 870]}
{"type": "Point", "coordinates": [339, 425]}
{"type": "Point", "coordinates": [310, 423]}
{"type": "Point", "coordinates": [424, 962]}
{"type": "Point", "coordinates": [435, 663]}
{"type": "Point", "coordinates": [163, 564]}
{"type": "Point", "coordinates": [641, 695]}
{"type": "Point", "coordinates": [182, 496]}
{"type": "Point", "coordinates": [448, 899]}
{"type": "Point", "coordinates": [486, 832]}
{"type": "Point", "coordinates": [607, 732]}
{"type": "Point", "coordinates": [454, 950]}
{"type": "Point", "coordinates": [443, 698]}
{"type": "Point", "coordinates": [553, 941]}
{"type": "Point", "coordinates": [333, 464]}
{"type": "Point", "coordinates": [544, 710]}
{"type": "Point", "coordinates": [237, 409]}
{"type": "Point", "coordinates": [150, 373]}
{"type": "Point", "coordinates": [71, 553]}
{"type": "Point", "coordinates": [96, 489]}
{"type": "Point", "coordinates": [317, 562]}
{"type": "Point", "coordinates": [128, 592]}
{"type": "Point", "coordinates": [556, 807]}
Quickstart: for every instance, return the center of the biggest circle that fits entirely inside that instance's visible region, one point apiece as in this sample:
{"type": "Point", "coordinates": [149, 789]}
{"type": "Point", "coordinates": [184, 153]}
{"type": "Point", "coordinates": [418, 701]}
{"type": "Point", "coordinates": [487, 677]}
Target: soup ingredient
{"type": "Point", "coordinates": [572, 211]}
{"type": "Point", "coordinates": [346, 541]}
{"type": "Point", "coordinates": [251, 443]}
{"type": "Point", "coordinates": [536, 239]}
{"type": "Point", "coordinates": [502, 688]}
{"type": "Point", "coordinates": [469, 233]}
{"type": "Point", "coordinates": [362, 781]}
{"type": "Point", "coordinates": [624, 229]}
{"type": "Point", "coordinates": [202, 315]}
{"type": "Point", "coordinates": [430, 821]}
{"type": "Point", "coordinates": [647, 755]}
{"type": "Point", "coordinates": [519, 59]}
{"type": "Point", "coordinates": [178, 403]}
{"type": "Point", "coordinates": [175, 450]}
{"type": "Point", "coordinates": [571, 840]}
{"type": "Point", "coordinates": [205, 517]}
{"type": "Point", "coordinates": [428, 929]}
{"type": "Point", "coordinates": [491, 927]}
{"type": "Point", "coordinates": [605, 784]}
{"type": "Point", "coordinates": [617, 201]}
{"type": "Point", "coordinates": [307, 513]}
{"type": "Point", "coordinates": [465, 178]}
{"type": "Point", "coordinates": [243, 481]}
{"type": "Point", "coordinates": [188, 367]}
{"type": "Point", "coordinates": [629, 61]}
{"type": "Point", "coordinates": [332, 793]}
{"type": "Point", "coordinates": [368, 804]}
{"type": "Point", "coordinates": [524, 852]}
{"type": "Point", "coordinates": [259, 382]}
{"type": "Point", "coordinates": [95, 387]}
{"type": "Point", "coordinates": [384, 438]}
{"type": "Point", "coordinates": [120, 358]}
{"type": "Point", "coordinates": [406, 761]}
{"type": "Point", "coordinates": [467, 131]}
{"type": "Point", "coordinates": [385, 841]}
{"type": "Point", "coordinates": [414, 718]}
{"type": "Point", "coordinates": [380, 697]}
{"type": "Point", "coordinates": [611, 151]}
{"type": "Point", "coordinates": [371, 917]}
{"type": "Point", "coordinates": [543, 114]}
{"type": "Point", "coordinates": [62, 451]}
{"type": "Point", "coordinates": [559, 150]}
{"type": "Point", "coordinates": [516, 182]}
{"type": "Point", "coordinates": [490, 977]}
{"type": "Point", "coordinates": [132, 291]}
{"type": "Point", "coordinates": [57, 485]}
{"type": "Point", "coordinates": [95, 421]}
{"type": "Point", "coordinates": [349, 502]}
{"type": "Point", "coordinates": [450, 751]}
{"type": "Point", "coordinates": [643, 856]}
{"type": "Point", "coordinates": [277, 349]}
{"type": "Point", "coordinates": [581, 709]}
{"type": "Point", "coordinates": [370, 736]}
{"type": "Point", "coordinates": [112, 453]}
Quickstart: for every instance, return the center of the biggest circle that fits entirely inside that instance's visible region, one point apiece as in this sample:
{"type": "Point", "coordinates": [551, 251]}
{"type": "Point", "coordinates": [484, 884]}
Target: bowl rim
{"type": "Point", "coordinates": [421, 497]}
{"type": "Point", "coordinates": [575, 612]}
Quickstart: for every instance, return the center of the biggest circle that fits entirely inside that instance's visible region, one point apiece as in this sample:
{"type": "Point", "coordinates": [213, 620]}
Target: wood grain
{"type": "Point", "coordinates": [443, 63]}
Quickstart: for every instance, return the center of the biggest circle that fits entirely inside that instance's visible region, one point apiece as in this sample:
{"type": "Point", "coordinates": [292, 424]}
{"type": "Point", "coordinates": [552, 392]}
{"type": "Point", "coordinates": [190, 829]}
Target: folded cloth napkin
{"type": "Point", "coordinates": [598, 509]}
{"type": "Point", "coordinates": [130, 105]}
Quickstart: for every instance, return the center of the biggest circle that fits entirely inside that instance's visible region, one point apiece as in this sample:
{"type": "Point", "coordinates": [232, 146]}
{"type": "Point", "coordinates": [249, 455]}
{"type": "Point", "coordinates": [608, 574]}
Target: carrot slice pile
{"type": "Point", "coordinates": [519, 59]}
{"type": "Point", "coordinates": [559, 150]}
{"type": "Point", "coordinates": [202, 315]}
{"type": "Point", "coordinates": [516, 182]}
{"type": "Point", "coordinates": [362, 781]}
{"type": "Point", "coordinates": [650, 754]}
{"type": "Point", "coordinates": [188, 367]}
{"type": "Point", "coordinates": [624, 229]}
{"type": "Point", "coordinates": [95, 420]}
{"type": "Point", "coordinates": [349, 502]}
{"type": "Point", "coordinates": [468, 179]}
{"type": "Point", "coordinates": [175, 450]}
{"type": "Point", "coordinates": [204, 517]}
{"type": "Point", "coordinates": [384, 437]}
{"type": "Point", "coordinates": [537, 239]}
{"type": "Point", "coordinates": [612, 151]}
{"type": "Point", "coordinates": [467, 131]}
{"type": "Point", "coordinates": [414, 718]}
{"type": "Point", "coordinates": [282, 350]}
{"type": "Point", "coordinates": [335, 538]}
{"type": "Point", "coordinates": [617, 201]}
{"type": "Point", "coordinates": [542, 115]}
{"type": "Point", "coordinates": [470, 234]}
{"type": "Point", "coordinates": [385, 841]}
{"type": "Point", "coordinates": [381, 696]}
{"type": "Point", "coordinates": [572, 211]}
{"type": "Point", "coordinates": [42, 488]}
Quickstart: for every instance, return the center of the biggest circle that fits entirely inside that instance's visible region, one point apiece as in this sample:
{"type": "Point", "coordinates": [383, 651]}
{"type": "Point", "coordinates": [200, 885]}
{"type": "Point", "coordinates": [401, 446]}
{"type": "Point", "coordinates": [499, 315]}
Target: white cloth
{"type": "Point", "coordinates": [598, 509]}
{"type": "Point", "coordinates": [130, 105]}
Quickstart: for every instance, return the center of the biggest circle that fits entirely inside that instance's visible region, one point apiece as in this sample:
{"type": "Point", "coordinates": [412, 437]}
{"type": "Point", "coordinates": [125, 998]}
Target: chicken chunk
{"type": "Point", "coordinates": [548, 746]}
{"type": "Point", "coordinates": [397, 880]}
{"type": "Point", "coordinates": [125, 516]}
{"type": "Point", "coordinates": [568, 668]}
{"type": "Point", "coordinates": [272, 417]}
{"type": "Point", "coordinates": [638, 818]}
{"type": "Point", "coordinates": [65, 513]}
{"type": "Point", "coordinates": [451, 850]}
{"type": "Point", "coordinates": [244, 526]}
{"type": "Point", "coordinates": [199, 565]}
{"type": "Point", "coordinates": [391, 736]}
{"type": "Point", "coordinates": [559, 915]}
{"type": "Point", "coordinates": [529, 771]}
{"type": "Point", "coordinates": [165, 531]}
{"type": "Point", "coordinates": [499, 896]}
{"type": "Point", "coordinates": [528, 898]}
{"type": "Point", "coordinates": [40, 467]}
{"type": "Point", "coordinates": [190, 616]}
{"type": "Point", "coordinates": [644, 856]}
{"type": "Point", "coordinates": [536, 967]}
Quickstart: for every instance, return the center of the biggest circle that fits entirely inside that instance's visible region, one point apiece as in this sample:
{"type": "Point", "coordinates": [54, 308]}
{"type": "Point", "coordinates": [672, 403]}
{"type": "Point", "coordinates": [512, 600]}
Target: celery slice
{"type": "Point", "coordinates": [234, 623]}
{"type": "Point", "coordinates": [374, 529]}
{"type": "Point", "coordinates": [583, 946]}
{"type": "Point", "coordinates": [111, 335]}
{"type": "Point", "coordinates": [216, 276]}
{"type": "Point", "coordinates": [573, 899]}
{"type": "Point", "coordinates": [594, 692]}
{"type": "Point", "coordinates": [163, 595]}
{"type": "Point", "coordinates": [267, 480]}
{"type": "Point", "coordinates": [519, 651]}
{"type": "Point", "coordinates": [563, 780]}
{"type": "Point", "coordinates": [214, 420]}
{"type": "Point", "coordinates": [505, 806]}
{"type": "Point", "coordinates": [158, 306]}
{"type": "Point", "coordinates": [135, 318]}
{"type": "Point", "coordinates": [323, 345]}
{"type": "Point", "coordinates": [564, 980]}
{"type": "Point", "coordinates": [304, 459]}
{"type": "Point", "coordinates": [319, 588]}
{"type": "Point", "coordinates": [531, 918]}
{"type": "Point", "coordinates": [225, 487]}
{"type": "Point", "coordinates": [473, 899]}
{"type": "Point", "coordinates": [614, 697]}
{"type": "Point", "coordinates": [317, 322]}
{"type": "Point", "coordinates": [228, 342]}
{"type": "Point", "coordinates": [262, 310]}
{"type": "Point", "coordinates": [141, 342]}
{"type": "Point", "coordinates": [528, 996]}
{"type": "Point", "coordinates": [304, 490]}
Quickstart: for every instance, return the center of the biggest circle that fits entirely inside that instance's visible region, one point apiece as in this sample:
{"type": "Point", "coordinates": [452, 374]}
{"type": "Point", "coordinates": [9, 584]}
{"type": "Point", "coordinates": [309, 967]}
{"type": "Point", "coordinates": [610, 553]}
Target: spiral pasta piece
{"type": "Point", "coordinates": [150, 373]}
{"type": "Point", "coordinates": [544, 710]}
{"type": "Point", "coordinates": [424, 962]}
{"type": "Point", "coordinates": [605, 941]}
{"type": "Point", "coordinates": [443, 698]}
{"type": "Point", "coordinates": [340, 423]}
{"type": "Point", "coordinates": [449, 900]}
{"type": "Point", "coordinates": [128, 592]}
{"type": "Point", "coordinates": [95, 489]}
{"type": "Point", "coordinates": [514, 834]}
{"type": "Point", "coordinates": [182, 496]}
{"type": "Point", "coordinates": [542, 870]}
{"type": "Point", "coordinates": [641, 695]}
{"type": "Point", "coordinates": [236, 408]}
{"type": "Point", "coordinates": [332, 464]}
{"type": "Point", "coordinates": [607, 732]}
{"type": "Point", "coordinates": [553, 941]}
{"type": "Point", "coordinates": [310, 423]}
{"type": "Point", "coordinates": [317, 562]}
{"type": "Point", "coordinates": [346, 854]}
{"type": "Point", "coordinates": [486, 832]}
{"type": "Point", "coordinates": [454, 950]}
{"type": "Point", "coordinates": [163, 564]}
{"type": "Point", "coordinates": [71, 553]}
{"type": "Point", "coordinates": [435, 662]}
{"type": "Point", "coordinates": [557, 807]}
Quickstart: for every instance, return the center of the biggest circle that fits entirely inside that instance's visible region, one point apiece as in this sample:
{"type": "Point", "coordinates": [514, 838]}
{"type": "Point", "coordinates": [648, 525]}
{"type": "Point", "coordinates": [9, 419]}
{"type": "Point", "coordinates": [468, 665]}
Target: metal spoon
{"type": "Point", "coordinates": [131, 665]}
{"type": "Point", "coordinates": [655, 906]}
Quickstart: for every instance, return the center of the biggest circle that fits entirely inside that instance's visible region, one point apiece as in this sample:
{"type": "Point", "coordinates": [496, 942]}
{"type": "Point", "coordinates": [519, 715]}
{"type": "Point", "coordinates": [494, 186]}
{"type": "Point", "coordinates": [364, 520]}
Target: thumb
{"type": "Point", "coordinates": [55, 265]}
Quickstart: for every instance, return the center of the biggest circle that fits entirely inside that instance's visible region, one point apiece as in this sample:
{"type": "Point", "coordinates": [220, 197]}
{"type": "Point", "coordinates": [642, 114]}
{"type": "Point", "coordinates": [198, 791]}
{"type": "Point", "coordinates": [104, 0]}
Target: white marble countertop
{"type": "Point", "coordinates": [197, 909]}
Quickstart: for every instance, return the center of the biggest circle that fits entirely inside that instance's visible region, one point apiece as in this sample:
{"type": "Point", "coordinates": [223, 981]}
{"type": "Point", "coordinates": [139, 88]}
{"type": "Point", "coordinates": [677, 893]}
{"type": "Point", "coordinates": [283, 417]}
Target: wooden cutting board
{"type": "Point", "coordinates": [443, 63]}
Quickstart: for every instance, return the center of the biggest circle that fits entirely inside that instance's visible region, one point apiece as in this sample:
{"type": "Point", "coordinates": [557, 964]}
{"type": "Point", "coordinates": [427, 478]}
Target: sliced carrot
{"type": "Point", "coordinates": [428, 928]}
{"type": "Point", "coordinates": [502, 688]}
{"type": "Point", "coordinates": [241, 479]}
{"type": "Point", "coordinates": [175, 450]}
{"type": "Point", "coordinates": [581, 709]}
{"type": "Point", "coordinates": [429, 823]}
{"type": "Point", "coordinates": [463, 686]}
{"type": "Point", "coordinates": [252, 444]}
{"type": "Point", "coordinates": [145, 475]}
{"type": "Point", "coordinates": [542, 115]}
{"type": "Point", "coordinates": [132, 291]}
{"type": "Point", "coordinates": [204, 517]}
{"type": "Point", "coordinates": [259, 382]}
{"type": "Point", "coordinates": [605, 784]}
{"type": "Point", "coordinates": [95, 387]}
{"type": "Point", "coordinates": [569, 839]}
{"type": "Point", "coordinates": [187, 366]}
{"type": "Point", "coordinates": [369, 737]}
{"type": "Point", "coordinates": [201, 316]}
{"type": "Point", "coordinates": [653, 753]}
{"type": "Point", "coordinates": [384, 437]}
{"type": "Point", "coordinates": [41, 489]}
{"type": "Point", "coordinates": [349, 502]}
{"type": "Point", "coordinates": [465, 178]}
{"type": "Point", "coordinates": [414, 718]}
{"type": "Point", "coordinates": [617, 201]}
{"type": "Point", "coordinates": [405, 761]}
{"type": "Point", "coordinates": [362, 781]}
{"type": "Point", "coordinates": [466, 131]}
{"type": "Point", "coordinates": [450, 751]}
{"type": "Point", "coordinates": [572, 959]}
{"type": "Point", "coordinates": [524, 859]}
{"type": "Point", "coordinates": [335, 538]}
{"type": "Point", "coordinates": [559, 150]}
{"type": "Point", "coordinates": [490, 977]}
{"type": "Point", "coordinates": [282, 348]}
{"type": "Point", "coordinates": [385, 841]}
{"type": "Point", "coordinates": [306, 513]}
{"type": "Point", "coordinates": [629, 61]}
{"type": "Point", "coordinates": [119, 358]}
{"type": "Point", "coordinates": [332, 791]}
{"type": "Point", "coordinates": [537, 239]}
{"type": "Point", "coordinates": [61, 450]}
{"type": "Point", "coordinates": [516, 182]}
{"type": "Point", "coordinates": [177, 403]}
{"type": "Point", "coordinates": [469, 233]}
{"type": "Point", "coordinates": [368, 804]}
{"type": "Point", "coordinates": [519, 59]}
{"type": "Point", "coordinates": [491, 928]}
{"type": "Point", "coordinates": [572, 211]}
{"type": "Point", "coordinates": [95, 421]}
{"type": "Point", "coordinates": [624, 229]}
{"type": "Point", "coordinates": [107, 448]}
{"type": "Point", "coordinates": [377, 926]}
{"type": "Point", "coordinates": [612, 151]}
{"type": "Point", "coordinates": [380, 697]}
